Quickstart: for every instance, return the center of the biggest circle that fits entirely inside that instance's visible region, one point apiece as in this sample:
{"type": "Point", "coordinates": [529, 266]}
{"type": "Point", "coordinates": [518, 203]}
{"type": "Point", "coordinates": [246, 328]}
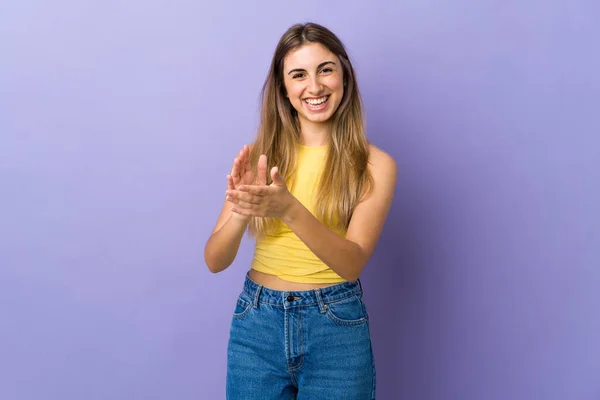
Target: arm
{"type": "Point", "coordinates": [348, 256]}
{"type": "Point", "coordinates": [222, 246]}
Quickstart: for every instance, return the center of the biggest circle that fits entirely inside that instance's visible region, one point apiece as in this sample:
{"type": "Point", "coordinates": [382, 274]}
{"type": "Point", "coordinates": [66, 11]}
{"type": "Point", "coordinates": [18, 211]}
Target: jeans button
{"type": "Point", "coordinates": [290, 298]}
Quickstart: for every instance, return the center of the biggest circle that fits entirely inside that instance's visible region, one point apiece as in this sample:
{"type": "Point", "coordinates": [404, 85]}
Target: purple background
{"type": "Point", "coordinates": [120, 119]}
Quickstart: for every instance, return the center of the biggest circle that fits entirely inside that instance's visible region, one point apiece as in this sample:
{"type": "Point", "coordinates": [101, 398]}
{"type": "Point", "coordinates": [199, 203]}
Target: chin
{"type": "Point", "coordinates": [317, 117]}
{"type": "Point", "coordinates": [322, 120]}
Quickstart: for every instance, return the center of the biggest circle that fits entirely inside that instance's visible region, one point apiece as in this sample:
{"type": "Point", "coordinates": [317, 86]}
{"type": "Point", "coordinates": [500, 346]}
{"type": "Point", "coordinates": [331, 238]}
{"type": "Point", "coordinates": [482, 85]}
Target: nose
{"type": "Point", "coordinates": [314, 85]}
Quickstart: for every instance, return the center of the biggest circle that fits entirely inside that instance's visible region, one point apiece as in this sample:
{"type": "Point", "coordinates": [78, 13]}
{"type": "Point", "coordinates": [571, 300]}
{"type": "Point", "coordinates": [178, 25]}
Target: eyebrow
{"type": "Point", "coordinates": [319, 66]}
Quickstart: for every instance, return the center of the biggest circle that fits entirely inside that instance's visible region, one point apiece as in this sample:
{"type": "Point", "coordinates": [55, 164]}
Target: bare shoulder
{"type": "Point", "coordinates": [371, 211]}
{"type": "Point", "coordinates": [383, 167]}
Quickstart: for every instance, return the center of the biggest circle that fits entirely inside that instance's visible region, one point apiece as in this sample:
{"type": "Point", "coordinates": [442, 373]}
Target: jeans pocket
{"type": "Point", "coordinates": [347, 312]}
{"type": "Point", "coordinates": [242, 307]}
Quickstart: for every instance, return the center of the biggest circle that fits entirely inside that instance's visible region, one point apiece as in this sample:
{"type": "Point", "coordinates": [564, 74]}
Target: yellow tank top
{"type": "Point", "coordinates": [282, 253]}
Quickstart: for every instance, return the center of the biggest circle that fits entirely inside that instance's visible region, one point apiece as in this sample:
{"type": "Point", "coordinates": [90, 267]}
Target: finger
{"type": "Point", "coordinates": [248, 212]}
{"type": "Point", "coordinates": [230, 185]}
{"type": "Point", "coordinates": [244, 211]}
{"type": "Point", "coordinates": [255, 190]}
{"type": "Point", "coordinates": [242, 203]}
{"type": "Point", "coordinates": [237, 177]}
{"type": "Point", "coordinates": [276, 177]}
{"type": "Point", "coordinates": [243, 156]}
{"type": "Point", "coordinates": [235, 170]}
{"type": "Point", "coordinates": [247, 166]}
{"type": "Point", "coordinates": [262, 170]}
{"type": "Point", "coordinates": [234, 196]}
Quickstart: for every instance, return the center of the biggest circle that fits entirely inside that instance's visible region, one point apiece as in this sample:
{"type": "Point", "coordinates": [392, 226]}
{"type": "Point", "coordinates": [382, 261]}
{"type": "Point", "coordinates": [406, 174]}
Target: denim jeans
{"type": "Point", "coordinates": [303, 345]}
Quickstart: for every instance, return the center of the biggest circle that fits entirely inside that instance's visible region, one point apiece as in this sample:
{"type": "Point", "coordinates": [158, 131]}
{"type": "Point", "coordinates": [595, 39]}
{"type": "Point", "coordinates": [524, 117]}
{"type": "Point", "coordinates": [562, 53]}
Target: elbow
{"type": "Point", "coordinates": [353, 277]}
{"type": "Point", "coordinates": [349, 277]}
{"type": "Point", "coordinates": [211, 257]}
{"type": "Point", "coordinates": [212, 263]}
{"type": "Point", "coordinates": [214, 267]}
{"type": "Point", "coordinates": [360, 261]}
{"type": "Point", "coordinates": [353, 273]}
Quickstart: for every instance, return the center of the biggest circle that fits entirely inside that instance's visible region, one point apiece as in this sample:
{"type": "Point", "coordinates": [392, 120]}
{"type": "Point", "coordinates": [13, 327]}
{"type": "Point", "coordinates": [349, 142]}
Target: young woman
{"type": "Point", "coordinates": [315, 194]}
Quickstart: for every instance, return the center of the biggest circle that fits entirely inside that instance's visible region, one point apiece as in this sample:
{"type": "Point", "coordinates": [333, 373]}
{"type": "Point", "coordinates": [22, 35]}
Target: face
{"type": "Point", "coordinates": [314, 82]}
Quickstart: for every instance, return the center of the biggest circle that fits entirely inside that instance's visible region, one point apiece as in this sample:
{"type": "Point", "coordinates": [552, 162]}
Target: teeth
{"type": "Point", "coordinates": [315, 102]}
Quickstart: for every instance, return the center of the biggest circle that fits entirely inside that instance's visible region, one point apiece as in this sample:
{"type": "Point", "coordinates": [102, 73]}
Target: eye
{"type": "Point", "coordinates": [326, 70]}
{"type": "Point", "coordinates": [298, 75]}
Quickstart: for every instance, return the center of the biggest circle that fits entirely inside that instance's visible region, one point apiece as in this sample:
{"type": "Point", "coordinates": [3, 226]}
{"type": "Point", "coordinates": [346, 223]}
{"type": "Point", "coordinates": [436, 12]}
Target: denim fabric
{"type": "Point", "coordinates": [303, 345]}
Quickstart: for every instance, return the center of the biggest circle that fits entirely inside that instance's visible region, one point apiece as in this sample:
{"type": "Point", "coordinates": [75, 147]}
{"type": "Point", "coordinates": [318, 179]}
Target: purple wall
{"type": "Point", "coordinates": [119, 121]}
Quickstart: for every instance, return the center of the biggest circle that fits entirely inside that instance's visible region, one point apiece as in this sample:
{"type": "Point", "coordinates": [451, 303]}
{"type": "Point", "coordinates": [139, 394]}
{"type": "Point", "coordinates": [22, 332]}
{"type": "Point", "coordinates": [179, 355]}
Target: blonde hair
{"type": "Point", "coordinates": [345, 177]}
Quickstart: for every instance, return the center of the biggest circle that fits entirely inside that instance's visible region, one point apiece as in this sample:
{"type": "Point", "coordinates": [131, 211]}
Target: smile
{"type": "Point", "coordinates": [316, 102]}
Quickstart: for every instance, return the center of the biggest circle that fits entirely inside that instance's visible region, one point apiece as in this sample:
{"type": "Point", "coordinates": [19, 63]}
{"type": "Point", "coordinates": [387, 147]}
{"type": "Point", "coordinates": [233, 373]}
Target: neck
{"type": "Point", "coordinates": [314, 134]}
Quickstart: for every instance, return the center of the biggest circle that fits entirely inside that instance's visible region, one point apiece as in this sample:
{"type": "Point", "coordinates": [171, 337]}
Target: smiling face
{"type": "Point", "coordinates": [314, 82]}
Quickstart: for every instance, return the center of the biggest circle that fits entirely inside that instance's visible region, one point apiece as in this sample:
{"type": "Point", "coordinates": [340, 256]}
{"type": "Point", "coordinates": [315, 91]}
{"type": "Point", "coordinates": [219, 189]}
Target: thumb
{"type": "Point", "coordinates": [262, 170]}
{"type": "Point", "coordinates": [277, 178]}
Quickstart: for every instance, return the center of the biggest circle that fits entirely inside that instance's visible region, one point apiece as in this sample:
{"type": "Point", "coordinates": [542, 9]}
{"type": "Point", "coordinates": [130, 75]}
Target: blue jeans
{"type": "Point", "coordinates": [304, 345]}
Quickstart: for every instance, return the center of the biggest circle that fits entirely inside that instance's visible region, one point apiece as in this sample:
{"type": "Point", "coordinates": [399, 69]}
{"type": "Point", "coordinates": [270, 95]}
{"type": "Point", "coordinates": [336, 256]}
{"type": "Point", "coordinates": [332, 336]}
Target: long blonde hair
{"type": "Point", "coordinates": [345, 177]}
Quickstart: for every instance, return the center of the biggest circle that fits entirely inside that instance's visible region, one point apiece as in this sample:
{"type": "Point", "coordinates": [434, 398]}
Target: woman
{"type": "Point", "coordinates": [300, 326]}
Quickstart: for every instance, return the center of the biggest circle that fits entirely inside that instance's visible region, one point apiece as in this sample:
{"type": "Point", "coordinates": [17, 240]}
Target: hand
{"type": "Point", "coordinates": [240, 171]}
{"type": "Point", "coordinates": [242, 174]}
{"type": "Point", "coordinates": [261, 200]}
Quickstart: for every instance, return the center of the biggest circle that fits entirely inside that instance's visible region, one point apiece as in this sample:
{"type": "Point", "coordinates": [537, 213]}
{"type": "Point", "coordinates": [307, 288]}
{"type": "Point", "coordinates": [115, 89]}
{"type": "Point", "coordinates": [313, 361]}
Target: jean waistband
{"type": "Point", "coordinates": [320, 296]}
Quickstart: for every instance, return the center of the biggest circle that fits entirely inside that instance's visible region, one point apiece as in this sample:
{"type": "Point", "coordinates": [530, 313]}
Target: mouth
{"type": "Point", "coordinates": [316, 103]}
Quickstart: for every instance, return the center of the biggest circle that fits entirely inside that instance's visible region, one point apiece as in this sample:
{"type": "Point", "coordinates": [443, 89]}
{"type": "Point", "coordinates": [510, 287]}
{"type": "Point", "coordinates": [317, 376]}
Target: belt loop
{"type": "Point", "coordinates": [360, 284]}
{"type": "Point", "coordinates": [257, 295]}
{"type": "Point", "coordinates": [322, 306]}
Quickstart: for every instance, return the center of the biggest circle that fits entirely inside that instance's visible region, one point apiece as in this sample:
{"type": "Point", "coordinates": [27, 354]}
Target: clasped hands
{"type": "Point", "coordinates": [250, 194]}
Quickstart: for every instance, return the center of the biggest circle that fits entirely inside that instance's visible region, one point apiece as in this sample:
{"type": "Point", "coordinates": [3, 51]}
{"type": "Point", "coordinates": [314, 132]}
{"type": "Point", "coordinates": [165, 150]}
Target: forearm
{"type": "Point", "coordinates": [344, 257]}
{"type": "Point", "coordinates": [222, 246]}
